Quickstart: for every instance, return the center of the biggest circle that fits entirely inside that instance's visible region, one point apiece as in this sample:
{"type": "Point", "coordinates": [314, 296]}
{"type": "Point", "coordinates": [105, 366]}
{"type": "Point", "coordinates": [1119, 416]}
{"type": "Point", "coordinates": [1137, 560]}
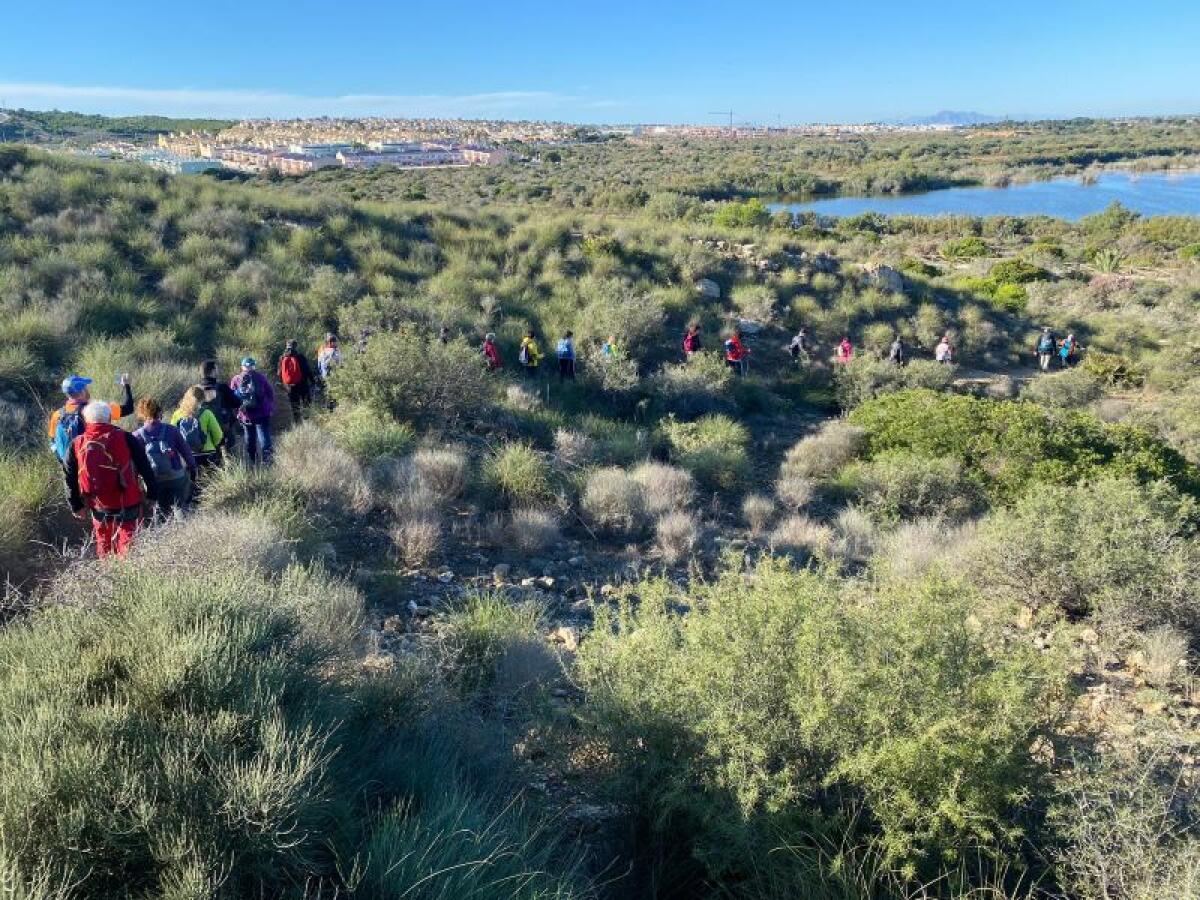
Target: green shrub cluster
{"type": "Point", "coordinates": [793, 709]}
{"type": "Point", "coordinates": [1005, 446]}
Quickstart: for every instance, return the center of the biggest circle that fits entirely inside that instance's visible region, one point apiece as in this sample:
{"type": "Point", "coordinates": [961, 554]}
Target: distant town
{"type": "Point", "coordinates": [301, 146]}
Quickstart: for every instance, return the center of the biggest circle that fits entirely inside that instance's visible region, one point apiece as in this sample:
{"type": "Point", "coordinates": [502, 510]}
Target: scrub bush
{"type": "Point", "coordinates": [788, 707]}
{"type": "Point", "coordinates": [713, 448]}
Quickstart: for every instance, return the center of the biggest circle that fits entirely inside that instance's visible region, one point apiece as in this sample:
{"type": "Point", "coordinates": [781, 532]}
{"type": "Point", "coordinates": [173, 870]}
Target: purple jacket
{"type": "Point", "coordinates": [153, 431]}
{"type": "Point", "coordinates": [261, 414]}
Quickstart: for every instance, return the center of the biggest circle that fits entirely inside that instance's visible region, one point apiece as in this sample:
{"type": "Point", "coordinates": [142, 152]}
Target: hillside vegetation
{"type": "Point", "coordinates": [835, 630]}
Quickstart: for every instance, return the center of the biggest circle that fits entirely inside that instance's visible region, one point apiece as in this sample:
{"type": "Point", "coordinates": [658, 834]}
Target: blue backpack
{"type": "Point", "coordinates": [565, 351]}
{"type": "Point", "coordinates": [70, 426]}
{"type": "Point", "coordinates": [164, 460]}
{"type": "Point", "coordinates": [189, 427]}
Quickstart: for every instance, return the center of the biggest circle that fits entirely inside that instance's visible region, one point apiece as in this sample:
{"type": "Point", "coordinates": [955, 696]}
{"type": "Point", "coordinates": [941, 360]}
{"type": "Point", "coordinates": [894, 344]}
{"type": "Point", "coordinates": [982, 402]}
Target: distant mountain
{"type": "Point", "coordinates": [950, 117]}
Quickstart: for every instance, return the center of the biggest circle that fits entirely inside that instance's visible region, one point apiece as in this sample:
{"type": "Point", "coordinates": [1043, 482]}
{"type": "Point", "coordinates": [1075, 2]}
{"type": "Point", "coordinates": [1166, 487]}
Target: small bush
{"type": "Point", "coordinates": [572, 449]}
{"type": "Point", "coordinates": [802, 537]}
{"type": "Point", "coordinates": [964, 248]}
{"type": "Point", "coordinates": [532, 530]}
{"type": "Point", "coordinates": [519, 474]}
{"type": "Point", "coordinates": [898, 485]}
{"type": "Point", "coordinates": [417, 537]}
{"type": "Point", "coordinates": [415, 378]}
{"type": "Point", "coordinates": [1110, 548]}
{"type": "Point", "coordinates": [308, 459]}
{"type": "Point", "coordinates": [700, 385]}
{"type": "Point", "coordinates": [613, 501]}
{"type": "Point", "coordinates": [856, 535]}
{"type": "Point", "coordinates": [665, 488]}
{"type": "Point", "coordinates": [713, 448]}
{"type": "Point", "coordinates": [1071, 389]}
{"type": "Point", "coordinates": [368, 434]}
{"type": "Point", "coordinates": [823, 454]}
{"type": "Point", "coordinates": [758, 511]}
{"type": "Point", "coordinates": [1165, 653]}
{"type": "Point", "coordinates": [779, 687]}
{"type": "Point", "coordinates": [477, 633]}
{"type": "Point", "coordinates": [443, 470]}
{"type": "Point", "coordinates": [676, 534]}
{"type": "Point", "coordinates": [866, 377]}
{"type": "Point", "coordinates": [795, 491]}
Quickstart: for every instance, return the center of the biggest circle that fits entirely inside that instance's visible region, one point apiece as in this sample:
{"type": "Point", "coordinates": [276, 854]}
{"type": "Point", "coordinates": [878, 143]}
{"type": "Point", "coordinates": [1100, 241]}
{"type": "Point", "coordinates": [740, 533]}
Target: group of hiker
{"type": "Point", "coordinates": [109, 473]}
{"type": "Point", "coordinates": [1048, 347]}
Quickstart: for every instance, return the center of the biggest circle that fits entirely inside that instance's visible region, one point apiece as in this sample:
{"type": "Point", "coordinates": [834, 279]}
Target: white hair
{"type": "Point", "coordinates": [97, 412]}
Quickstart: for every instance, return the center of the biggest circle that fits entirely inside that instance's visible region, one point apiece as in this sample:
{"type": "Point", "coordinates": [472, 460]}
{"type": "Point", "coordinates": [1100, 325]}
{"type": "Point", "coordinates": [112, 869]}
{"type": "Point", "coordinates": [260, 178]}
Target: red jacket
{"type": "Point", "coordinates": [734, 351]}
{"type": "Point", "coordinates": [492, 353]}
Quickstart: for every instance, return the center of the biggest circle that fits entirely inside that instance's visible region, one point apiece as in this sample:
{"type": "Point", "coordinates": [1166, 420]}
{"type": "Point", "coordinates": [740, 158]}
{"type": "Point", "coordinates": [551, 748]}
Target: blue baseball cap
{"type": "Point", "coordinates": [73, 384]}
{"type": "Point", "coordinates": [248, 362]}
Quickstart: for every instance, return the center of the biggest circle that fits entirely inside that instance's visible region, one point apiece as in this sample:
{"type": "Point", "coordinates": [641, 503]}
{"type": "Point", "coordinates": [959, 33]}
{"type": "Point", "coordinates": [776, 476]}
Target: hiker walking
{"type": "Point", "coordinates": [798, 347]}
{"type": "Point", "coordinates": [530, 355]}
{"type": "Point", "coordinates": [1066, 350]}
{"type": "Point", "coordinates": [101, 476]}
{"type": "Point", "coordinates": [222, 401]}
{"type": "Point", "coordinates": [66, 422]}
{"type": "Point", "coordinates": [610, 348]}
{"type": "Point", "coordinates": [329, 357]}
{"type": "Point", "coordinates": [201, 429]}
{"type": "Point", "coordinates": [896, 352]}
{"type": "Point", "coordinates": [736, 354]}
{"type": "Point", "coordinates": [845, 351]}
{"type": "Point", "coordinates": [257, 402]}
{"type": "Point", "coordinates": [944, 351]}
{"type": "Point", "coordinates": [491, 352]}
{"type": "Point", "coordinates": [1046, 346]}
{"type": "Point", "coordinates": [169, 456]}
{"type": "Point", "coordinates": [691, 341]}
{"type": "Point", "coordinates": [297, 377]}
{"type": "Point", "coordinates": [566, 356]}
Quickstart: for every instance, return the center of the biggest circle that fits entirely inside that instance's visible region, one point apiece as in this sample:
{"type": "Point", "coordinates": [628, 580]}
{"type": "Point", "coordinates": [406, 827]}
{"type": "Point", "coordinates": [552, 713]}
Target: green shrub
{"type": "Point", "coordinates": [520, 474]}
{"type": "Point", "coordinates": [32, 491]}
{"type": "Point", "coordinates": [964, 248]}
{"type": "Point", "coordinates": [1112, 547]}
{"type": "Point", "coordinates": [1007, 445]}
{"type": "Point", "coordinates": [369, 434]}
{"type": "Point", "coordinates": [477, 631]}
{"type": "Point", "coordinates": [700, 385]}
{"type": "Point", "coordinates": [415, 377]}
{"type": "Point", "coordinates": [613, 502]}
{"type": "Point", "coordinates": [791, 707]}
{"type": "Point", "coordinates": [713, 448]}
{"type": "Point", "coordinates": [1070, 389]}
{"type": "Point", "coordinates": [1112, 369]}
{"type": "Point", "coordinates": [866, 377]}
{"type": "Point", "coordinates": [194, 728]}
{"type": "Point", "coordinates": [752, 213]}
{"type": "Point", "coordinates": [899, 485]}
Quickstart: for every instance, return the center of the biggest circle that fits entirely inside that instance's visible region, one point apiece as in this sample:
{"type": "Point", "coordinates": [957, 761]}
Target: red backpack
{"type": "Point", "coordinates": [289, 370]}
{"type": "Point", "coordinates": [106, 476]}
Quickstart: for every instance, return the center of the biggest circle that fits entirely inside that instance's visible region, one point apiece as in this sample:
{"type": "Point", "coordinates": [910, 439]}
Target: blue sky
{"type": "Point", "coordinates": [613, 61]}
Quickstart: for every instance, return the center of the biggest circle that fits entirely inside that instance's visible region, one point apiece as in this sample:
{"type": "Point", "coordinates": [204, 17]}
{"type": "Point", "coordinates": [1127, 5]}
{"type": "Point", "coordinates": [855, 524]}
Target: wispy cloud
{"type": "Point", "coordinates": [249, 103]}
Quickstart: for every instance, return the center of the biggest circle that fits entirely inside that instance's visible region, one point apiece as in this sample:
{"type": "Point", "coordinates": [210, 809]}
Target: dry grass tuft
{"type": "Point", "coordinates": [665, 488]}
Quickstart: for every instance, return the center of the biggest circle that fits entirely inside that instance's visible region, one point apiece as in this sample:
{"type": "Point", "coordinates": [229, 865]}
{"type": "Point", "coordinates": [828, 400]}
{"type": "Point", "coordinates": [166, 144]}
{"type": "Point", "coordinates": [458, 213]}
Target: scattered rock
{"type": "Point", "coordinates": [577, 561]}
{"type": "Point", "coordinates": [708, 288]}
{"type": "Point", "coordinates": [528, 582]}
{"type": "Point", "coordinates": [546, 581]}
{"type": "Point", "coordinates": [885, 278]}
{"type": "Point", "coordinates": [394, 624]}
{"type": "Point", "coordinates": [607, 590]}
{"type": "Point", "coordinates": [446, 577]}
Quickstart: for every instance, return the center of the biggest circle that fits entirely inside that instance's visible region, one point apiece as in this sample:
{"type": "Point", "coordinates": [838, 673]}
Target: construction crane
{"type": "Point", "coordinates": [723, 114]}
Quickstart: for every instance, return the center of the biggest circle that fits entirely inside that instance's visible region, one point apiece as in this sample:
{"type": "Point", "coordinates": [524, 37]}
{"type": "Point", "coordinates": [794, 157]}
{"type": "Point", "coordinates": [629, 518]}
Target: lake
{"type": "Point", "coordinates": [1151, 194]}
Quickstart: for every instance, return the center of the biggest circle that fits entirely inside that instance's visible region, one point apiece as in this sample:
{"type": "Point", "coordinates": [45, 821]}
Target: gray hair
{"type": "Point", "coordinates": [97, 412]}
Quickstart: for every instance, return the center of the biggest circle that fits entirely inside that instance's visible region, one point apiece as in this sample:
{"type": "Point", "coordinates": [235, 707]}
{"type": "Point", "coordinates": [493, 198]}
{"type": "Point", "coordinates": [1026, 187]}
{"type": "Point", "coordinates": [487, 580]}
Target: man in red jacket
{"type": "Point", "coordinates": [101, 475]}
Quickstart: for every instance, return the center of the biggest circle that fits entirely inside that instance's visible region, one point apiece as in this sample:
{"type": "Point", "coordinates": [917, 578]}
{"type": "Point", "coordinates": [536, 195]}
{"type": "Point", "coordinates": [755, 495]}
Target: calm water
{"type": "Point", "coordinates": [1155, 194]}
